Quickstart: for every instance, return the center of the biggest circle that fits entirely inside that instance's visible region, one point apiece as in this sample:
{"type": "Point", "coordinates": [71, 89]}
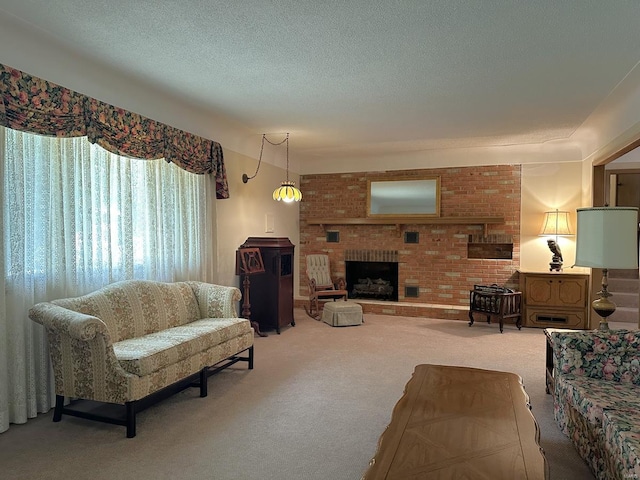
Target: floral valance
{"type": "Point", "coordinates": [34, 105]}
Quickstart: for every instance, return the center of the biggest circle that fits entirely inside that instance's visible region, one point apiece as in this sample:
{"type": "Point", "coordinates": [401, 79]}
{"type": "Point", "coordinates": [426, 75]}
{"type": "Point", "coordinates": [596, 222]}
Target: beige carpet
{"type": "Point", "coordinates": [312, 409]}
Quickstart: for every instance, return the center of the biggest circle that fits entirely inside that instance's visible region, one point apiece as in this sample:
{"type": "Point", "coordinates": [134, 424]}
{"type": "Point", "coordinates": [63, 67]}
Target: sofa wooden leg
{"type": "Point", "coordinates": [131, 419]}
{"type": "Point", "coordinates": [57, 412]}
{"type": "Point", "coordinates": [204, 375]}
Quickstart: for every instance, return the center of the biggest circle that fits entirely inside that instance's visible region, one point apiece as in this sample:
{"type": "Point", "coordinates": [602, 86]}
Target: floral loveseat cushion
{"type": "Point", "coordinates": [597, 397]}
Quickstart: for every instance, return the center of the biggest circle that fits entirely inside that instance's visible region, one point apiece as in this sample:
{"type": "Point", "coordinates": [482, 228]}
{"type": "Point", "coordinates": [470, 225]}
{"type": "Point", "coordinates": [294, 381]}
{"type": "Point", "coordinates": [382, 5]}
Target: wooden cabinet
{"type": "Point", "coordinates": [556, 300]}
{"type": "Point", "coordinates": [271, 292]}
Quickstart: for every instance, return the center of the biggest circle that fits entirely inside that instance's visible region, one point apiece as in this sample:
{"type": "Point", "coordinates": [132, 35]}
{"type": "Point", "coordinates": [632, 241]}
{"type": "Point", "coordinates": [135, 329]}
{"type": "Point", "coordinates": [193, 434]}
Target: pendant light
{"type": "Point", "coordinates": [287, 191]}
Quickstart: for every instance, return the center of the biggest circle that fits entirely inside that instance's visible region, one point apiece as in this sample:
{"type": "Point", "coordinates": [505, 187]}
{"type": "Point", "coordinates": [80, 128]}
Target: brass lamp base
{"type": "Point", "coordinates": [603, 306]}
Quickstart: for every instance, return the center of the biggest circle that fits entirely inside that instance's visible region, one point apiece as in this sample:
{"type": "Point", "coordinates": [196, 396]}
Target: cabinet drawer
{"type": "Point", "coordinates": [554, 318]}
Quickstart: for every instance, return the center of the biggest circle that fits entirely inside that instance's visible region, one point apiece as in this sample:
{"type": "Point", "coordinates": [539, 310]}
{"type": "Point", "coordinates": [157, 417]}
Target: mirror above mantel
{"type": "Point", "coordinates": [414, 197]}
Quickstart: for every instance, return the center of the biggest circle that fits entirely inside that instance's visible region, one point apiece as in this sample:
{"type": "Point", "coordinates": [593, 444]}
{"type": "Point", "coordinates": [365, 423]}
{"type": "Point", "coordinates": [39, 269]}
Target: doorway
{"type": "Point", "coordinates": [622, 189]}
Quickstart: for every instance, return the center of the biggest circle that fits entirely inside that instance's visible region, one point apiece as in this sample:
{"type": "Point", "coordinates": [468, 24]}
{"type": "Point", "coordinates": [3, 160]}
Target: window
{"type": "Point", "coordinates": [81, 217]}
{"type": "Point", "coordinates": [76, 218]}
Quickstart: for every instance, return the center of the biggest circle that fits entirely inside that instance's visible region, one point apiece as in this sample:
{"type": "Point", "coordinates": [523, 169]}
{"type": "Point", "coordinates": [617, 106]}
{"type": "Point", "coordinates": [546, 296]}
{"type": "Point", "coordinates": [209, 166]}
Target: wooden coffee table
{"type": "Point", "coordinates": [459, 422]}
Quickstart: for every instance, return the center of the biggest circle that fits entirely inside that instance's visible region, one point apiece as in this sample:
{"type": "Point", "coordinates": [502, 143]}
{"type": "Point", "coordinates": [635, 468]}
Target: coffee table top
{"type": "Point", "coordinates": [460, 422]}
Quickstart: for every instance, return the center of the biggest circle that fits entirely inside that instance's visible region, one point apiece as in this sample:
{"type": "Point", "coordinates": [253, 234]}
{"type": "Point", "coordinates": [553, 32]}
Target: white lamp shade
{"type": "Point", "coordinates": [607, 237]}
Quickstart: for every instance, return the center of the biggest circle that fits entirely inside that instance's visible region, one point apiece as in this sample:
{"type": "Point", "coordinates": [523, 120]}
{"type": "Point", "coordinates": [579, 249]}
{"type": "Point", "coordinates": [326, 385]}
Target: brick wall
{"type": "Point", "coordinates": [438, 264]}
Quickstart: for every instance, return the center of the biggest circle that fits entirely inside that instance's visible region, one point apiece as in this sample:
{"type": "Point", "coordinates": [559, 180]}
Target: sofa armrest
{"type": "Point", "coordinates": [67, 322]}
{"type": "Point", "coordinates": [216, 301]}
{"type": "Point", "coordinates": [608, 355]}
{"type": "Point", "coordinates": [84, 363]}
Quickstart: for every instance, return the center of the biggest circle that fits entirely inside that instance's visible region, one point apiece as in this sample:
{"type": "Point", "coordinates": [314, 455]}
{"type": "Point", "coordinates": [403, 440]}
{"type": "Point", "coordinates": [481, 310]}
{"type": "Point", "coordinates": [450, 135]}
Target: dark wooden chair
{"type": "Point", "coordinates": [321, 284]}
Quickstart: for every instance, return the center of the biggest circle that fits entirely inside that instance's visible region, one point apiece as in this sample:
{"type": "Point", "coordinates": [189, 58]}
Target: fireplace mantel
{"type": "Point", "coordinates": [399, 221]}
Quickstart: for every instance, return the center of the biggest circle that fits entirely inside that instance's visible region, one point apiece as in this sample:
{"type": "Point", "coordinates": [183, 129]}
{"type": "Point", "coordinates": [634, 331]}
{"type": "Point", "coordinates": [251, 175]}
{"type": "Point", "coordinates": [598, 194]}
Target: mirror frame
{"type": "Point", "coordinates": [432, 181]}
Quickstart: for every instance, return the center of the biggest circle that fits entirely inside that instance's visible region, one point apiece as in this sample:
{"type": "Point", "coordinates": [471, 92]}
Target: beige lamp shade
{"type": "Point", "coordinates": [556, 223]}
{"type": "Point", "coordinates": [607, 237]}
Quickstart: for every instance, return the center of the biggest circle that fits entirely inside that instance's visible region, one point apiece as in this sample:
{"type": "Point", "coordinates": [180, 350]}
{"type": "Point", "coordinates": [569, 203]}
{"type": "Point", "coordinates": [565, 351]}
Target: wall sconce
{"type": "Point", "coordinates": [555, 223]}
{"type": "Point", "coordinates": [607, 237]}
{"type": "Point", "coordinates": [287, 191]}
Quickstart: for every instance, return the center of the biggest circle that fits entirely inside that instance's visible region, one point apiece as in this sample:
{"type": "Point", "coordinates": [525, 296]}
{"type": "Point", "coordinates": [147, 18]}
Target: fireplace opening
{"type": "Point", "coordinates": [373, 280]}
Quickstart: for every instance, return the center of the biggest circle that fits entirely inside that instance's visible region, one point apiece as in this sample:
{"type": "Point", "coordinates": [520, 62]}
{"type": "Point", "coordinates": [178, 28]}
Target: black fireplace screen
{"type": "Point", "coordinates": [374, 280]}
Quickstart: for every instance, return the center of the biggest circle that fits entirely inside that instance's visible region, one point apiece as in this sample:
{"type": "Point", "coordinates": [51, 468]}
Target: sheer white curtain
{"type": "Point", "coordinates": [75, 218]}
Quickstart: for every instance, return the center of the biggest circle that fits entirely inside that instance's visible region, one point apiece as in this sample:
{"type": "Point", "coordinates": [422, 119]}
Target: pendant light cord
{"type": "Point", "coordinates": [246, 178]}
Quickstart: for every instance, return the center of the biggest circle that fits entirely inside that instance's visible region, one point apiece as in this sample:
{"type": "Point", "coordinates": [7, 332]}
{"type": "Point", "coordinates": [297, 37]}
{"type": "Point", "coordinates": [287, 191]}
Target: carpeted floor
{"type": "Point", "coordinates": [312, 409]}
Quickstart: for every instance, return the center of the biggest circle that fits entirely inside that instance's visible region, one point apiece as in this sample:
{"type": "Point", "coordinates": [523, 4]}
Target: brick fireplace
{"type": "Point", "coordinates": [438, 262]}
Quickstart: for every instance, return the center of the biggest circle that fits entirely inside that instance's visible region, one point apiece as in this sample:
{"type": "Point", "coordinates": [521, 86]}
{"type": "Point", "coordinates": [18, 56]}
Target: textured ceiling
{"type": "Point", "coordinates": [352, 77]}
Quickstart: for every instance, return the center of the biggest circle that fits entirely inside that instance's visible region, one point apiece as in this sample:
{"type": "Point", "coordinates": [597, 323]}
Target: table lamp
{"type": "Point", "coordinates": [607, 238]}
{"type": "Point", "coordinates": [555, 223]}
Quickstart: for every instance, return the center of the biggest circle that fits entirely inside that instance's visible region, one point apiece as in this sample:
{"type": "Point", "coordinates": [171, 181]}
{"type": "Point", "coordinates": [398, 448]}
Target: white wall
{"type": "Point", "coordinates": [615, 123]}
{"type": "Point", "coordinates": [546, 187]}
{"type": "Point", "coordinates": [244, 213]}
{"type": "Point", "coordinates": [548, 152]}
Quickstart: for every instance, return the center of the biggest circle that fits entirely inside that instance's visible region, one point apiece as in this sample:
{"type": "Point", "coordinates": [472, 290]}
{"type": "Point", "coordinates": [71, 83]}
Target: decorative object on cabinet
{"type": "Point", "coordinates": [495, 301]}
{"type": "Point", "coordinates": [321, 285]}
{"type": "Point", "coordinates": [249, 262]}
{"type": "Point", "coordinates": [555, 300]}
{"type": "Point", "coordinates": [607, 238]}
{"type": "Point", "coordinates": [556, 224]}
{"type": "Point", "coordinates": [272, 291]}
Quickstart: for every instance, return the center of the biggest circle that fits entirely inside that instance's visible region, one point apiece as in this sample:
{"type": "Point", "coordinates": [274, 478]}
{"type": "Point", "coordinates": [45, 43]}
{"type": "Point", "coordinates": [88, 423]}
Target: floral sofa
{"type": "Point", "coordinates": [131, 341]}
{"type": "Point", "coordinates": [597, 398]}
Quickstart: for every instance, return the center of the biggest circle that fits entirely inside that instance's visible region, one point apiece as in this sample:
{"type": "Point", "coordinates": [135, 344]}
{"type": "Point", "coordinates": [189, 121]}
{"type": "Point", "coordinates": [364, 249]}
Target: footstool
{"type": "Point", "coordinates": [342, 314]}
